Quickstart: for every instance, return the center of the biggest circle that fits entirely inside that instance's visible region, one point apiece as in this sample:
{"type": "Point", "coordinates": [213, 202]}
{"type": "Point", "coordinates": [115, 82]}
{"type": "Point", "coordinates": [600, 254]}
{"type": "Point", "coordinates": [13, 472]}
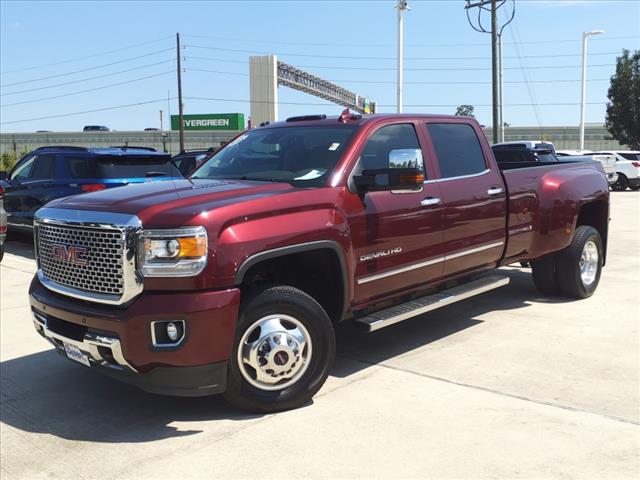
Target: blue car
{"type": "Point", "coordinates": [48, 173]}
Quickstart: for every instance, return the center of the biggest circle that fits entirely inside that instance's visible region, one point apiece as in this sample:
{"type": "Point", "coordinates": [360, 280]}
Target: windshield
{"type": "Point", "coordinates": [302, 156]}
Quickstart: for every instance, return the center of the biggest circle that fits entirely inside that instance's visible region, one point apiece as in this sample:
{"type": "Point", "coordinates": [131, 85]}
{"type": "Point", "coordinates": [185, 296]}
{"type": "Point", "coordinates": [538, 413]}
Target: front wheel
{"type": "Point", "coordinates": [579, 266]}
{"type": "Point", "coordinates": [284, 349]}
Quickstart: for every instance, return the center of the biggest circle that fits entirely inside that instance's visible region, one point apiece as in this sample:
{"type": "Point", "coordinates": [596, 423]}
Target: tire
{"type": "Point", "coordinates": [544, 275]}
{"type": "Point", "coordinates": [622, 183]}
{"type": "Point", "coordinates": [580, 265]}
{"type": "Point", "coordinates": [1, 252]}
{"type": "Point", "coordinates": [635, 188]}
{"type": "Point", "coordinates": [267, 318]}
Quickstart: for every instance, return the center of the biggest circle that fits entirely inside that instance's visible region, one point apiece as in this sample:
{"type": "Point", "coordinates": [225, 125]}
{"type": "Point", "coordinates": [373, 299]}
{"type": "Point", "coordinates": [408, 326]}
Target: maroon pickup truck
{"type": "Point", "coordinates": [232, 280]}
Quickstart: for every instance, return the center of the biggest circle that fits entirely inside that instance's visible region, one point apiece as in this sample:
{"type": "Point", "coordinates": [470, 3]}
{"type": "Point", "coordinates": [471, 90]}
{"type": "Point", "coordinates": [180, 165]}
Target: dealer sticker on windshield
{"type": "Point", "coordinates": [333, 147]}
{"type": "Point", "coordinates": [74, 353]}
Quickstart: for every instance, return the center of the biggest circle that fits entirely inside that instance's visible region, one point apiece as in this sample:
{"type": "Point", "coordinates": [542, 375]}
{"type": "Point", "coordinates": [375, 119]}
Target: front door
{"type": "Point", "coordinates": [397, 237]}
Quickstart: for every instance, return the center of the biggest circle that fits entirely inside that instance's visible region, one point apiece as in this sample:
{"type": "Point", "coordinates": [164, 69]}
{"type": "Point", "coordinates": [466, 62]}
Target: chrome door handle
{"type": "Point", "coordinates": [494, 191]}
{"type": "Point", "coordinates": [427, 202]}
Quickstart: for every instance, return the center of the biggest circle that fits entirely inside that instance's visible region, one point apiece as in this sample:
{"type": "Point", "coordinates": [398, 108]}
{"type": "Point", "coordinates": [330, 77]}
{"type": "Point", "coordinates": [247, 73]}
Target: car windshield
{"type": "Point", "coordinates": [302, 156]}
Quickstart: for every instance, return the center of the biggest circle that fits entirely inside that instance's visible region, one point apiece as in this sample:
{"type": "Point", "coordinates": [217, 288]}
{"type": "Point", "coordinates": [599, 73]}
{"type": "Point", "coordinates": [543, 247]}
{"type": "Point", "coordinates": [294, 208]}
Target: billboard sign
{"type": "Point", "coordinates": [209, 121]}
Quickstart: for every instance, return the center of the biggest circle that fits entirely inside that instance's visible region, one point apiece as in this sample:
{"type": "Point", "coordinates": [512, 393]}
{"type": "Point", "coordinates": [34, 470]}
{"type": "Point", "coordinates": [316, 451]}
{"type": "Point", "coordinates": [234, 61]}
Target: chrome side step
{"type": "Point", "coordinates": [421, 305]}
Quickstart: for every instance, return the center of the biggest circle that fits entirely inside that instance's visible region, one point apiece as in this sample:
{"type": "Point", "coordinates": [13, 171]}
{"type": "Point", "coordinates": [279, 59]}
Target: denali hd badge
{"type": "Point", "coordinates": [384, 253]}
{"type": "Point", "coordinates": [69, 253]}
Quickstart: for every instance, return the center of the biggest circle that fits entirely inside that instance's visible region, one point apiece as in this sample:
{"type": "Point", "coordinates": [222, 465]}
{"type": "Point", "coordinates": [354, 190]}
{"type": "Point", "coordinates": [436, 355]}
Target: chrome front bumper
{"type": "Point", "coordinates": [102, 350]}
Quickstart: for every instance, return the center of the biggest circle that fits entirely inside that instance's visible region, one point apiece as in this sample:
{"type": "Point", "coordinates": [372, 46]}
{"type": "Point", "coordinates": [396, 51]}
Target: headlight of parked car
{"type": "Point", "coordinates": [178, 252]}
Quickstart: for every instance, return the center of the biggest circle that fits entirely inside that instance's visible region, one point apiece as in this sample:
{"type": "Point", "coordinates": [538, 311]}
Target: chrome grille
{"type": "Point", "coordinates": [103, 272]}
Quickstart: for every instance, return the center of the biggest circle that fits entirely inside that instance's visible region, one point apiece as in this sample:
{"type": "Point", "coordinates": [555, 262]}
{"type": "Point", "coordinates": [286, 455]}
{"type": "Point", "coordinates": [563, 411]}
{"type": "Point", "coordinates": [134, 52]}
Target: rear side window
{"type": "Point", "coordinates": [631, 156]}
{"type": "Point", "coordinates": [44, 168]}
{"type": "Point", "coordinates": [457, 148]}
{"type": "Point", "coordinates": [391, 137]}
{"type": "Point", "coordinates": [107, 166]}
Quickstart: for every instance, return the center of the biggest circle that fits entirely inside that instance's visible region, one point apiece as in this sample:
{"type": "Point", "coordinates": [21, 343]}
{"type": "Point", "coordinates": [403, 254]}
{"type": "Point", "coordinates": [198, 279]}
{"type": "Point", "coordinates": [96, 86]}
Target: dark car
{"type": "Point", "coordinates": [96, 128]}
{"type": "Point", "coordinates": [523, 153]}
{"type": "Point", "coordinates": [189, 160]}
{"type": "Point", "coordinates": [48, 173]}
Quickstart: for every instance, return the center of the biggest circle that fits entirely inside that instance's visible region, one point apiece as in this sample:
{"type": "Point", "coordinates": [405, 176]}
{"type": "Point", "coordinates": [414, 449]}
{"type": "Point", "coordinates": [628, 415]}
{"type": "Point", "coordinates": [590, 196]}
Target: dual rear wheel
{"type": "Point", "coordinates": [574, 272]}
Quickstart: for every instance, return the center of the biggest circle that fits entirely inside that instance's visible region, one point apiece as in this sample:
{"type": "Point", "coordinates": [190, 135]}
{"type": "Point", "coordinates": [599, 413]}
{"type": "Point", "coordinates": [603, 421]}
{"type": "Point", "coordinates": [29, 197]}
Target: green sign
{"type": "Point", "coordinates": [209, 121]}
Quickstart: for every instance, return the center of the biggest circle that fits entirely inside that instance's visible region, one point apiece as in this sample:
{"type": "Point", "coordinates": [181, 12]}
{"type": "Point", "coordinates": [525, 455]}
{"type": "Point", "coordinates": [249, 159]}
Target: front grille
{"type": "Point", "coordinates": [102, 272]}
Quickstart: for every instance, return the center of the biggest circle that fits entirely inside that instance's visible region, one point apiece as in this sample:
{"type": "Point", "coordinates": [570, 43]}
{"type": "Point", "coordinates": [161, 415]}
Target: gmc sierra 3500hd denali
{"type": "Point", "coordinates": [230, 281]}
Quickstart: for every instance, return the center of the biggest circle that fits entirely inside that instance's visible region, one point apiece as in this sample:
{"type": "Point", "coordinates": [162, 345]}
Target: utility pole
{"type": "Point", "coordinates": [401, 6]}
{"type": "Point", "coordinates": [492, 7]}
{"type": "Point", "coordinates": [494, 69]}
{"type": "Point", "coordinates": [180, 106]}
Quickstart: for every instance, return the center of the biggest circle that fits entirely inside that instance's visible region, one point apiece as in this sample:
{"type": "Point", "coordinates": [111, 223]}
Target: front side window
{"type": "Point", "coordinates": [457, 148]}
{"type": "Point", "coordinates": [303, 156]}
{"type": "Point", "coordinates": [392, 137]}
{"type": "Point", "coordinates": [23, 172]}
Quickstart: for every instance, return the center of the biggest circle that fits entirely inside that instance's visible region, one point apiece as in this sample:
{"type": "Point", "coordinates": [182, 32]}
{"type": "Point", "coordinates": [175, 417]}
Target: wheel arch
{"type": "Point", "coordinates": [291, 255]}
{"type": "Point", "coordinates": [596, 215]}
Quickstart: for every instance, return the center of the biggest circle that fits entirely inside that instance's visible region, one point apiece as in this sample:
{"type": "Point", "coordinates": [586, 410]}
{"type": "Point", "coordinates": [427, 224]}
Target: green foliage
{"type": "Point", "coordinates": [465, 111]}
{"type": "Point", "coordinates": [9, 159]}
{"type": "Point", "coordinates": [623, 109]}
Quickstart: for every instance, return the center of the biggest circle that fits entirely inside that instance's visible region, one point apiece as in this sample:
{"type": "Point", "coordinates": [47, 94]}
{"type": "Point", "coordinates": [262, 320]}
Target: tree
{"type": "Point", "coordinates": [465, 111]}
{"type": "Point", "coordinates": [623, 109]}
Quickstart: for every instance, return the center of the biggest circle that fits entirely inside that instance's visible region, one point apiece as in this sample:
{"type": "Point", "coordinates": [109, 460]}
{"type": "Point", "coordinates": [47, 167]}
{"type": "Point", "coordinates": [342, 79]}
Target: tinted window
{"type": "Point", "coordinates": [106, 166]}
{"type": "Point", "coordinates": [391, 137]}
{"type": "Point", "coordinates": [23, 171]}
{"type": "Point", "coordinates": [457, 148]}
{"type": "Point", "coordinates": [631, 156]}
{"type": "Point", "coordinates": [506, 156]}
{"type": "Point", "coordinates": [44, 167]}
{"type": "Point", "coordinates": [546, 157]}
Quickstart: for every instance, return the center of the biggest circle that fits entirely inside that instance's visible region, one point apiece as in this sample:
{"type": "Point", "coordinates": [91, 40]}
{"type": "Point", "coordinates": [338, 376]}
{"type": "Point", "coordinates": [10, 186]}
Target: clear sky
{"type": "Point", "coordinates": [96, 55]}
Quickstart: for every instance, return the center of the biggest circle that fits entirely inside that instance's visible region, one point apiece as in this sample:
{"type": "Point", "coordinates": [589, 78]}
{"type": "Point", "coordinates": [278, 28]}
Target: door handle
{"type": "Point", "coordinates": [429, 201]}
{"type": "Point", "coordinates": [494, 191]}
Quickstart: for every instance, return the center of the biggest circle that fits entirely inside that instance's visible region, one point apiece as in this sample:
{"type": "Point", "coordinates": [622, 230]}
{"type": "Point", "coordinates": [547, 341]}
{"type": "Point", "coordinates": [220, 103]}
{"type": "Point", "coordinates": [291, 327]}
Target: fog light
{"type": "Point", "coordinates": [172, 331]}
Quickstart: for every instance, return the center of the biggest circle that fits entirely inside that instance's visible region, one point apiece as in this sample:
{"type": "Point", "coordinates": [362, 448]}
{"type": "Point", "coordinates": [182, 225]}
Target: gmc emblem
{"type": "Point", "coordinates": [69, 253]}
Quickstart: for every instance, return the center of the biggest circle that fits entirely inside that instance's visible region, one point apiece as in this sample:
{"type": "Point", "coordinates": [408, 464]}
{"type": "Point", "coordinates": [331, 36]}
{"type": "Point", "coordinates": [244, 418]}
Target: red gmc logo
{"type": "Point", "coordinates": [70, 254]}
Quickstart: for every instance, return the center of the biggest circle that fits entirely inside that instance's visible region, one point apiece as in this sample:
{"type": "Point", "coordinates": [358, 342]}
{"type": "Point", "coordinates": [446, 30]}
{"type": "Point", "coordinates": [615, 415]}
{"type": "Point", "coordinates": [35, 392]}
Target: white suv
{"type": "Point", "coordinates": [628, 168]}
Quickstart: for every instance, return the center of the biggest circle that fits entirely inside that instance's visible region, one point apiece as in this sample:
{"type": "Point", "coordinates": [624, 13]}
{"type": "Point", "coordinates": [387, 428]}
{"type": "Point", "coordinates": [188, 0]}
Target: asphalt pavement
{"type": "Point", "coordinates": [510, 384]}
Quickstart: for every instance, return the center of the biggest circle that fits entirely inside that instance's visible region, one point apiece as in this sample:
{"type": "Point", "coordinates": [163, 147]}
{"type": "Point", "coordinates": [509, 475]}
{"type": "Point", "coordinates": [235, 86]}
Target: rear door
{"type": "Point", "coordinates": [397, 237]}
{"type": "Point", "coordinates": [32, 185]}
{"type": "Point", "coordinates": [473, 196]}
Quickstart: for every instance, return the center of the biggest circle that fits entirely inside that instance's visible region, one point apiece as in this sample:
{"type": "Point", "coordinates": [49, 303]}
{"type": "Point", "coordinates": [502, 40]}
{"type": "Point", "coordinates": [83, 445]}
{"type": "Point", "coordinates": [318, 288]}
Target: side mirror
{"type": "Point", "coordinates": [4, 175]}
{"type": "Point", "coordinates": [405, 174]}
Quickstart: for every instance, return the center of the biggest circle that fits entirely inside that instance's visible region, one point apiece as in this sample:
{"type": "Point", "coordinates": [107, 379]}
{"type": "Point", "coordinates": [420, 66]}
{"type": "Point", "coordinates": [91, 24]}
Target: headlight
{"type": "Point", "coordinates": [178, 252]}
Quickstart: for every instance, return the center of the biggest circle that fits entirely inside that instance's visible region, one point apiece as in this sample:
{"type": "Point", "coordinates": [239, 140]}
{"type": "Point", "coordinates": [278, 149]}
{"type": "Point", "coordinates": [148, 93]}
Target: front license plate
{"type": "Point", "coordinates": [74, 353]}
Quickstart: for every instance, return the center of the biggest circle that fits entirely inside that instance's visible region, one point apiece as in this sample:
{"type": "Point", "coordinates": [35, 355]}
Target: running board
{"type": "Point", "coordinates": [421, 305]}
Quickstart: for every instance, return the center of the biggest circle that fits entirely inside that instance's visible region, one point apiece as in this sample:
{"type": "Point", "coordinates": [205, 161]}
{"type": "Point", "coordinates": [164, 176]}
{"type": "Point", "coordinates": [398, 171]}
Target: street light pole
{"type": "Point", "coordinates": [402, 5]}
{"type": "Point", "coordinates": [585, 37]}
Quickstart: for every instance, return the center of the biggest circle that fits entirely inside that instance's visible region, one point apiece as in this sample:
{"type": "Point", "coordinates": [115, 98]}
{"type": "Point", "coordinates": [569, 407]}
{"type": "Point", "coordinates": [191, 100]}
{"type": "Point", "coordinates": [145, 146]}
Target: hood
{"type": "Point", "coordinates": [170, 202]}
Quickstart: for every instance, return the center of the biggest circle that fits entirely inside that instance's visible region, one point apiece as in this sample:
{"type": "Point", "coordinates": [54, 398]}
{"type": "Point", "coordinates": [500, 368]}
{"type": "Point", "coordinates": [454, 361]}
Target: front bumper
{"type": "Point", "coordinates": [118, 341]}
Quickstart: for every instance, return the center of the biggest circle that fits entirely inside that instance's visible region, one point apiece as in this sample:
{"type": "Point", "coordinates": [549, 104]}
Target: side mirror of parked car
{"type": "Point", "coordinates": [405, 174]}
{"type": "Point", "coordinates": [4, 175]}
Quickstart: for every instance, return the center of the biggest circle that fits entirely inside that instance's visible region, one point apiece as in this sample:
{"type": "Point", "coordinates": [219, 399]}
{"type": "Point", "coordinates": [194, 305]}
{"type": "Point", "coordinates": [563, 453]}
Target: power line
{"type": "Point", "coordinates": [89, 111]}
{"type": "Point", "coordinates": [87, 69]}
{"type": "Point", "coordinates": [387, 82]}
{"type": "Point", "coordinates": [361, 57]}
{"type": "Point", "coordinates": [453, 105]}
{"type": "Point", "coordinates": [390, 45]}
{"type": "Point", "coordinates": [64, 84]}
{"type": "Point", "coordinates": [79, 92]}
{"type": "Point", "coordinates": [60, 62]}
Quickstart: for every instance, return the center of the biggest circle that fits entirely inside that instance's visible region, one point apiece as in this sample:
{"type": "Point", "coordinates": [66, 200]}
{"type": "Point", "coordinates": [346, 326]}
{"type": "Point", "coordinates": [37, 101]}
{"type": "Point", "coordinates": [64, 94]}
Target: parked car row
{"type": "Point", "coordinates": [622, 167]}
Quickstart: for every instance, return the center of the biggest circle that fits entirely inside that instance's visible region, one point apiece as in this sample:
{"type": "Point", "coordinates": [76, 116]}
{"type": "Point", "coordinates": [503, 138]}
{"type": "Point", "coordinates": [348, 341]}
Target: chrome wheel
{"type": "Point", "coordinates": [274, 352]}
{"type": "Point", "coordinates": [589, 261]}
